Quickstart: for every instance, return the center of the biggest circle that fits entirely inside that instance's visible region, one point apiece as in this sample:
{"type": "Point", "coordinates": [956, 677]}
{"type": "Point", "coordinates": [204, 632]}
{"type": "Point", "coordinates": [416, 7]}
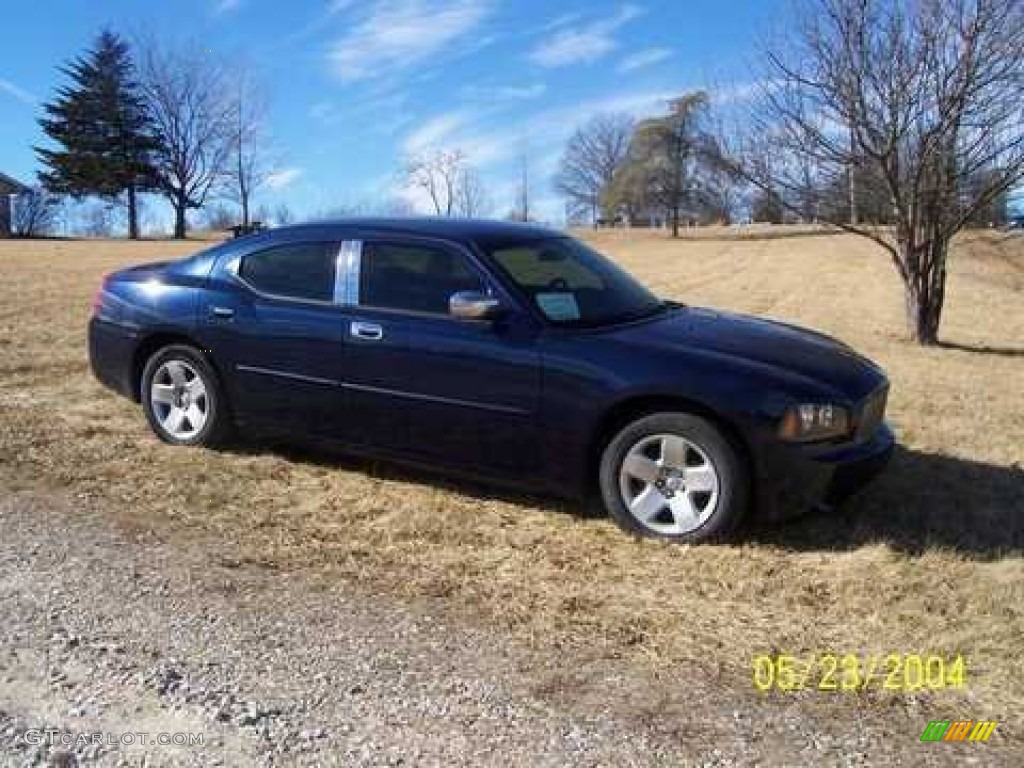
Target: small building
{"type": "Point", "coordinates": [9, 191]}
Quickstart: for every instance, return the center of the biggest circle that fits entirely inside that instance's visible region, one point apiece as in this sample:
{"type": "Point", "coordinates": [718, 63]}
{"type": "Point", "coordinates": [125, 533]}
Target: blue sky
{"type": "Point", "coordinates": [354, 85]}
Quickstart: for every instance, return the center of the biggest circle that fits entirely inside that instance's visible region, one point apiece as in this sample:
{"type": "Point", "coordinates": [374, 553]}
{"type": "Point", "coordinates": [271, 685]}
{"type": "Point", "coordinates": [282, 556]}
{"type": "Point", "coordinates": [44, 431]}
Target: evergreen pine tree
{"type": "Point", "coordinates": [102, 128]}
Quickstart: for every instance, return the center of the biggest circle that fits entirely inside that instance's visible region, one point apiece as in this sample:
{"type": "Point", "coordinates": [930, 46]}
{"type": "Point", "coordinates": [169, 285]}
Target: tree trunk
{"type": "Point", "coordinates": [853, 198]}
{"type": "Point", "coordinates": [245, 211]}
{"type": "Point", "coordinates": [179, 220]}
{"type": "Point", "coordinates": [133, 213]}
{"type": "Point", "coordinates": [924, 288]}
{"type": "Point", "coordinates": [675, 221]}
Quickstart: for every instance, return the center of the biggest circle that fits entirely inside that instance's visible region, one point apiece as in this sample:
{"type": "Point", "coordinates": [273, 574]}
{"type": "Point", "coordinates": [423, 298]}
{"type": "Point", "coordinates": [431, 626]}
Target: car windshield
{"type": "Point", "coordinates": [571, 284]}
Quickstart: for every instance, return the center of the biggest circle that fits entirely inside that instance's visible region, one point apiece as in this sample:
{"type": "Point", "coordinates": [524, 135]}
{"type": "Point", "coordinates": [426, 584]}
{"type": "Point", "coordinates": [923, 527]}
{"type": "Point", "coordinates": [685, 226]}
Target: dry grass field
{"type": "Point", "coordinates": [931, 557]}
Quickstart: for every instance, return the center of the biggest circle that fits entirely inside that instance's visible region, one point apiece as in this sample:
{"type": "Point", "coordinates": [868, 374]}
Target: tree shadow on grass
{"type": "Point", "coordinates": [984, 349]}
{"type": "Point", "coordinates": [921, 501]}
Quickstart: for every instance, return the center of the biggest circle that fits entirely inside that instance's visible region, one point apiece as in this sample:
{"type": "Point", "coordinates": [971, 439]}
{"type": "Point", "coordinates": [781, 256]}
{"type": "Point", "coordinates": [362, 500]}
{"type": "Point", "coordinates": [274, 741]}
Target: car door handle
{"type": "Point", "coordinates": [368, 331]}
{"type": "Point", "coordinates": [224, 312]}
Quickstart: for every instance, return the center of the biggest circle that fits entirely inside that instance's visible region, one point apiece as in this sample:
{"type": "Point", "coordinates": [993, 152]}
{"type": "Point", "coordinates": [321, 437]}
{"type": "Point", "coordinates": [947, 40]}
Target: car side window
{"type": "Point", "coordinates": [297, 271]}
{"type": "Point", "coordinates": [413, 278]}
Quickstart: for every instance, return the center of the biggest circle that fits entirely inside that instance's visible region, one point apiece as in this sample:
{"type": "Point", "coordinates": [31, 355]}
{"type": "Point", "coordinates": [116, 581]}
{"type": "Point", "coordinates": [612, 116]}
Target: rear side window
{"type": "Point", "coordinates": [413, 278]}
{"type": "Point", "coordinates": [297, 271]}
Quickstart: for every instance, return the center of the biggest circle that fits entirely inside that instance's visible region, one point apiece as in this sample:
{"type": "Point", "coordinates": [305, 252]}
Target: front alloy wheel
{"type": "Point", "coordinates": [669, 484]}
{"type": "Point", "coordinates": [673, 475]}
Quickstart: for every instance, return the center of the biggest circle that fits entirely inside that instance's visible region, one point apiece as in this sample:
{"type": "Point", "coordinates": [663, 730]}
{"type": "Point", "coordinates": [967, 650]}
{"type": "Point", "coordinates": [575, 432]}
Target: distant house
{"type": "Point", "coordinates": [9, 189]}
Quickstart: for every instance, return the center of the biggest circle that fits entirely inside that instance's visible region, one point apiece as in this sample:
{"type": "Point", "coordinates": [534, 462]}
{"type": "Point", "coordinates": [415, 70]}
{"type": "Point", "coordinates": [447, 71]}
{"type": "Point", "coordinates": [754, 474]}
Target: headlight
{"type": "Point", "coordinates": [815, 421]}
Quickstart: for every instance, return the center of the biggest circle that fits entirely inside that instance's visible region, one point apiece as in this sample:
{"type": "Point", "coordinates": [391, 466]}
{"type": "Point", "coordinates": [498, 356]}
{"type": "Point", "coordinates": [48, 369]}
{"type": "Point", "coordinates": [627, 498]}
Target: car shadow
{"type": "Point", "coordinates": [921, 501]}
{"type": "Point", "coordinates": [331, 456]}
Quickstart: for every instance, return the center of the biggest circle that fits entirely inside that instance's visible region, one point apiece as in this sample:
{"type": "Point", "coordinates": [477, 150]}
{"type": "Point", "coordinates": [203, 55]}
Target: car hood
{"type": "Point", "coordinates": [786, 348]}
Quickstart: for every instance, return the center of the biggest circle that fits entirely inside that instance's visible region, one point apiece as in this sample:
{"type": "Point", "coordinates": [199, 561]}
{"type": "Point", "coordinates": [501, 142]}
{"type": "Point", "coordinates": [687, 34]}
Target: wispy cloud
{"type": "Point", "coordinates": [436, 132]}
{"type": "Point", "coordinates": [396, 35]}
{"type": "Point", "coordinates": [6, 86]}
{"type": "Point", "coordinates": [573, 43]}
{"type": "Point", "coordinates": [738, 93]}
{"type": "Point", "coordinates": [488, 144]}
{"type": "Point", "coordinates": [503, 93]}
{"type": "Point", "coordinates": [323, 18]}
{"type": "Point", "coordinates": [323, 111]}
{"type": "Point", "coordinates": [376, 113]}
{"type": "Point", "coordinates": [559, 21]}
{"type": "Point", "coordinates": [644, 58]}
{"type": "Point", "coordinates": [283, 178]}
{"type": "Point", "coordinates": [222, 7]}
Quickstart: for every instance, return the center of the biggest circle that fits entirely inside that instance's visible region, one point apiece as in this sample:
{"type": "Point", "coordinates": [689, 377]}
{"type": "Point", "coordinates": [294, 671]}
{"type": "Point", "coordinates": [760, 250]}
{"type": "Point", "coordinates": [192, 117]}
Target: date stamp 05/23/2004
{"type": "Point", "coordinates": [854, 672]}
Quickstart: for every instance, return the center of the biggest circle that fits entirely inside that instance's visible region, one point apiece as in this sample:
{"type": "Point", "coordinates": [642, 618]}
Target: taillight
{"type": "Point", "coordinates": [97, 299]}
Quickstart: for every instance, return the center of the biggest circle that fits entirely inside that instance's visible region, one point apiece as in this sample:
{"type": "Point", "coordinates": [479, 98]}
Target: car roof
{"type": "Point", "coordinates": [449, 228]}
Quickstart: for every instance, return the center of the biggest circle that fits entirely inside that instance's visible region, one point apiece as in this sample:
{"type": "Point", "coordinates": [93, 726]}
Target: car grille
{"type": "Point", "coordinates": [871, 413]}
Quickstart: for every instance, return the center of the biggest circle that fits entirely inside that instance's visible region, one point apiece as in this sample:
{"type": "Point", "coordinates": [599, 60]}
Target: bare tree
{"type": "Point", "coordinates": [394, 206]}
{"type": "Point", "coordinates": [35, 212]}
{"type": "Point", "coordinates": [219, 217]}
{"type": "Point", "coordinates": [521, 211]}
{"type": "Point", "coordinates": [262, 216]}
{"type": "Point", "coordinates": [97, 219]}
{"type": "Point", "coordinates": [283, 215]}
{"type": "Point", "coordinates": [920, 103]}
{"type": "Point", "coordinates": [249, 165]}
{"type": "Point", "coordinates": [191, 107]}
{"type": "Point", "coordinates": [660, 167]}
{"type": "Point", "coordinates": [437, 174]}
{"type": "Point", "coordinates": [453, 186]}
{"type": "Point", "coordinates": [715, 194]}
{"type": "Point", "coordinates": [471, 197]}
{"type": "Point", "coordinates": [372, 206]}
{"type": "Point", "coordinates": [592, 156]}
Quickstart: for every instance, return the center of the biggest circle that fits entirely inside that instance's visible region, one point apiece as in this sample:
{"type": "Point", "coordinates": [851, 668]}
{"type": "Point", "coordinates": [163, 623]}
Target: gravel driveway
{"type": "Point", "coordinates": [116, 632]}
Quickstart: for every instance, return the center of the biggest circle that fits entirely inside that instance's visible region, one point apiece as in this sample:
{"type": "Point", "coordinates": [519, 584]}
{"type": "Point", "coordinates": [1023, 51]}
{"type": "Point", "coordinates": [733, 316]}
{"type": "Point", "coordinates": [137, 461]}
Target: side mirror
{"type": "Point", "coordinates": [473, 305]}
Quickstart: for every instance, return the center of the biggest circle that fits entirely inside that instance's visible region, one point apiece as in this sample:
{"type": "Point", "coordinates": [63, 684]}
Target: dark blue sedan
{"type": "Point", "coordinates": [501, 352]}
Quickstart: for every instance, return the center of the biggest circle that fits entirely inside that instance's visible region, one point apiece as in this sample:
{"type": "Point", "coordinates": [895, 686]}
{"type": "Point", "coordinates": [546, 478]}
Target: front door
{"type": "Point", "coordinates": [448, 391]}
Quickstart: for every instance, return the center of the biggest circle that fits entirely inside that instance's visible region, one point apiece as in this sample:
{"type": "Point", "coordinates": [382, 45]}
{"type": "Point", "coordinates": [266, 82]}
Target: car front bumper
{"type": "Point", "coordinates": [792, 479]}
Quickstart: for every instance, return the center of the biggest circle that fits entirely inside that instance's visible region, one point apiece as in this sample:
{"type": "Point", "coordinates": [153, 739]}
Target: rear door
{"type": "Point", "coordinates": [274, 320]}
{"type": "Point", "coordinates": [452, 392]}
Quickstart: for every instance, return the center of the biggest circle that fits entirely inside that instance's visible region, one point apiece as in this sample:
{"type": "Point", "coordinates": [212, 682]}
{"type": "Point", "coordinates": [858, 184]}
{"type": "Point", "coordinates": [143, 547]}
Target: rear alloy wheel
{"type": "Point", "coordinates": [674, 476]}
{"type": "Point", "coordinates": [182, 398]}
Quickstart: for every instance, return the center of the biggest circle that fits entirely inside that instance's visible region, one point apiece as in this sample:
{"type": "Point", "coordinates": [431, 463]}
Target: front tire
{"type": "Point", "coordinates": [674, 476]}
{"type": "Point", "coordinates": [182, 398]}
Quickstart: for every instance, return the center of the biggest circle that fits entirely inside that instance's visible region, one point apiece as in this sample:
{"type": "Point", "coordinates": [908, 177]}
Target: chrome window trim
{"type": "Point", "coordinates": [353, 270]}
{"type": "Point", "coordinates": [340, 272]}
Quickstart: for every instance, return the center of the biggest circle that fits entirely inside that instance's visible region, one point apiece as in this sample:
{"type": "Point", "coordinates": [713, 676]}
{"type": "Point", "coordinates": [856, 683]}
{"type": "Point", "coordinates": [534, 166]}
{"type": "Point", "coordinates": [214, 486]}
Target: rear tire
{"type": "Point", "coordinates": [182, 398]}
{"type": "Point", "coordinates": [674, 476]}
